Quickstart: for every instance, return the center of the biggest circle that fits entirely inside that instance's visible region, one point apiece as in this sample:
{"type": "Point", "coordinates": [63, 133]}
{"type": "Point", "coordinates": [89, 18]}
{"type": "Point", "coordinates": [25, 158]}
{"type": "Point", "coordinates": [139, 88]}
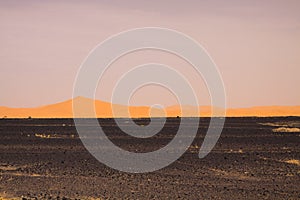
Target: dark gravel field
{"type": "Point", "coordinates": [255, 158]}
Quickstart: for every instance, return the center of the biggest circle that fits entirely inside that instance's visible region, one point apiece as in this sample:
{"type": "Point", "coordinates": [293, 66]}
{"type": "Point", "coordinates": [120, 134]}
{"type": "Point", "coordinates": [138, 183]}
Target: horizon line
{"type": "Point", "coordinates": [71, 99]}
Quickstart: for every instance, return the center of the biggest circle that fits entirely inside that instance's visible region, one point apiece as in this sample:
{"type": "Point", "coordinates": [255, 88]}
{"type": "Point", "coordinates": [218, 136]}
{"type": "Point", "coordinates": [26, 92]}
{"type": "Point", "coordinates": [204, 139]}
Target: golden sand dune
{"type": "Point", "coordinates": [262, 111]}
{"type": "Point", "coordinates": [105, 109]}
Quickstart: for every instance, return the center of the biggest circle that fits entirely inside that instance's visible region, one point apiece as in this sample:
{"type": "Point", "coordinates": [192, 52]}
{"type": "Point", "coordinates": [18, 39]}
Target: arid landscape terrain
{"type": "Point", "coordinates": [255, 158]}
{"type": "Point", "coordinates": [142, 99]}
{"type": "Point", "coordinates": [108, 110]}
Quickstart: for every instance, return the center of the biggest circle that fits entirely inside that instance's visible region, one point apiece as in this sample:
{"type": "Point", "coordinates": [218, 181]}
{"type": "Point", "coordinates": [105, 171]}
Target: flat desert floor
{"type": "Point", "coordinates": [255, 158]}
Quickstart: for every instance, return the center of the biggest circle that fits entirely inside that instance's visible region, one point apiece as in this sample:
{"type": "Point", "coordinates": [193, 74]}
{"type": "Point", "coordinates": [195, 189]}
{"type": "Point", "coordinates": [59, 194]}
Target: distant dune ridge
{"type": "Point", "coordinates": [104, 110]}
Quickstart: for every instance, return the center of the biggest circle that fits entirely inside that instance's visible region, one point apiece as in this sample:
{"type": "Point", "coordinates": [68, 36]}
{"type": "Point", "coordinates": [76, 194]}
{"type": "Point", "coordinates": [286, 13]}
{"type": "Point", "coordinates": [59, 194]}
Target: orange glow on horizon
{"type": "Point", "coordinates": [104, 110]}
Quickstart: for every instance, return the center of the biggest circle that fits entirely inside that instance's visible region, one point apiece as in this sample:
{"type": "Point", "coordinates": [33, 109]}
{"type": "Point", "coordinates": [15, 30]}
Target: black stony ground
{"type": "Point", "coordinates": [45, 159]}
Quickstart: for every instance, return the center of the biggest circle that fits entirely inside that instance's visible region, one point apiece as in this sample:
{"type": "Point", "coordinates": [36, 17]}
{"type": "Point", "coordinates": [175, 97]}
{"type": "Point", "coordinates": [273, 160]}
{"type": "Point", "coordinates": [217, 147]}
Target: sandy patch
{"type": "Point", "coordinates": [14, 171]}
{"type": "Point", "coordinates": [293, 124]}
{"type": "Point", "coordinates": [233, 175]}
{"type": "Point", "coordinates": [284, 127]}
{"type": "Point", "coordinates": [286, 130]}
{"type": "Point", "coordinates": [274, 124]}
{"type": "Point", "coordinates": [4, 196]}
{"type": "Point", "coordinates": [8, 168]}
{"type": "Point", "coordinates": [50, 136]}
{"type": "Point", "coordinates": [30, 175]}
{"type": "Point", "coordinates": [234, 151]}
{"type": "Point", "coordinates": [293, 161]}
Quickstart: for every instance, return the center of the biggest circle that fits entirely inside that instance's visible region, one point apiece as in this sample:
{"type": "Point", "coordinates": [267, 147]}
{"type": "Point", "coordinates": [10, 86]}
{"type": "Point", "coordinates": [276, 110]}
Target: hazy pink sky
{"type": "Point", "coordinates": [255, 44]}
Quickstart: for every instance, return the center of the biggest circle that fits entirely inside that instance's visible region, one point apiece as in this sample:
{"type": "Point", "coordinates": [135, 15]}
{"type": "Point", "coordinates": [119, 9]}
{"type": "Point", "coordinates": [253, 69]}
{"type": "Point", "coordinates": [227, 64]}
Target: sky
{"type": "Point", "coordinates": [255, 45]}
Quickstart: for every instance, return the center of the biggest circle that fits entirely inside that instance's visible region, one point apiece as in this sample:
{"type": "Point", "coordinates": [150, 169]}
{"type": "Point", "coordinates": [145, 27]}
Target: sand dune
{"type": "Point", "coordinates": [104, 109]}
{"type": "Point", "coordinates": [262, 111]}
